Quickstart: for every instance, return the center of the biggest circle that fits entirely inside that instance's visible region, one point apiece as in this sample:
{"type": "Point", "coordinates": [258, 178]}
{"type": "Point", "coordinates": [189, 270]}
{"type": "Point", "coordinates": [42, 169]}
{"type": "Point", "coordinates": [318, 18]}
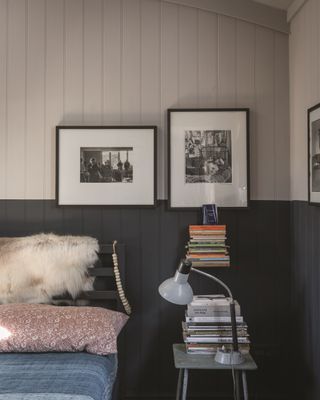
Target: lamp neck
{"type": "Point", "coordinates": [215, 279]}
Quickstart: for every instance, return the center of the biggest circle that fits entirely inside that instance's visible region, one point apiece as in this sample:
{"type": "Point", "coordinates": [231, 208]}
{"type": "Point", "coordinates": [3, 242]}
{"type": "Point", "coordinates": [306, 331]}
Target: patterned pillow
{"type": "Point", "coordinates": [46, 328]}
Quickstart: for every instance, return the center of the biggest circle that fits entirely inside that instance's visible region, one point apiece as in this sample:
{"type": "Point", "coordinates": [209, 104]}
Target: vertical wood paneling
{"type": "Point", "coordinates": [150, 73]}
{"type": "Point", "coordinates": [127, 61]}
{"type": "Point", "coordinates": [131, 63]}
{"type": "Point", "coordinates": [35, 99]}
{"type": "Point", "coordinates": [154, 241]}
{"type": "Point", "coordinates": [245, 89]}
{"type": "Point", "coordinates": [188, 57]}
{"type": "Point", "coordinates": [73, 62]}
{"type": "Point", "coordinates": [16, 100]}
{"type": "Point", "coordinates": [281, 110]}
{"type": "Point", "coordinates": [265, 123]}
{"type": "Point", "coordinates": [92, 62]}
{"type": "Point", "coordinates": [207, 59]}
{"type": "Point", "coordinates": [54, 89]}
{"type": "Point", "coordinates": [227, 61]}
{"type": "Point", "coordinates": [112, 52]}
{"type": "Point", "coordinates": [3, 94]}
{"type": "Point", "coordinates": [169, 79]}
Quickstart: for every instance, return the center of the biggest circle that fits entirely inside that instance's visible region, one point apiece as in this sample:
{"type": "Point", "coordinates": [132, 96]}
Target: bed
{"type": "Point", "coordinates": [68, 375]}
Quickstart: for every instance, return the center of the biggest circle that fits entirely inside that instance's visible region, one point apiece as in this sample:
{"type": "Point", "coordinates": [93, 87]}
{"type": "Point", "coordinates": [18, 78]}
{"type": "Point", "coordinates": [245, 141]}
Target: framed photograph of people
{"type": "Point", "coordinates": [106, 165]}
{"type": "Point", "coordinates": [208, 157]}
{"type": "Point", "coordinates": [314, 155]}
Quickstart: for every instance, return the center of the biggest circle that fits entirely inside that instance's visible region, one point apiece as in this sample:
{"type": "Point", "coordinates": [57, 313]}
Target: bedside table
{"type": "Point", "coordinates": [184, 362]}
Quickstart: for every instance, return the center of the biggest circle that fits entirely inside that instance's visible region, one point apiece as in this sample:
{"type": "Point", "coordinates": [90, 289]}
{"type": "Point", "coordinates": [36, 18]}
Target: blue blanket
{"type": "Point", "coordinates": [56, 376]}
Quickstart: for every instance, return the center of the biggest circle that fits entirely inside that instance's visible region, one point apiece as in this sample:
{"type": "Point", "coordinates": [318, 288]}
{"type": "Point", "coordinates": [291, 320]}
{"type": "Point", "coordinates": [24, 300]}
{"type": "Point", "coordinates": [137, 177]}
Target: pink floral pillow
{"type": "Point", "coordinates": [45, 328]}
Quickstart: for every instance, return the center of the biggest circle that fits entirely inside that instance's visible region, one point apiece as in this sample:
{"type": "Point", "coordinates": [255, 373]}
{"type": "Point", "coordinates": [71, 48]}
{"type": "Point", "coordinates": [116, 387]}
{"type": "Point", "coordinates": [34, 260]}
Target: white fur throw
{"type": "Point", "coordinates": [33, 269]}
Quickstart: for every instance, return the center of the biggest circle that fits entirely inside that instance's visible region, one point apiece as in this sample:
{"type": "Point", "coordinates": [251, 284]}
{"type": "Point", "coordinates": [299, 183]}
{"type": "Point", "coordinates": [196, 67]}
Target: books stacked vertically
{"type": "Point", "coordinates": [207, 246]}
{"type": "Point", "coordinates": [207, 327]}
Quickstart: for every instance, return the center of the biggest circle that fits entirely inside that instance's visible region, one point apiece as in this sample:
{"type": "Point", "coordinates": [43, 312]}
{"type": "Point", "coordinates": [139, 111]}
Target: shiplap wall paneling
{"type": "Point", "coordinates": [264, 83]}
{"type": "Point", "coordinates": [3, 94]}
{"type": "Point", "coordinates": [227, 62]}
{"type": "Point", "coordinates": [154, 242]}
{"type": "Point", "coordinates": [73, 57]}
{"type": "Point", "coordinates": [15, 154]}
{"type": "Point", "coordinates": [35, 104]}
{"type": "Point", "coordinates": [245, 89]}
{"type": "Point", "coordinates": [54, 87]}
{"type": "Point", "coordinates": [92, 61]}
{"type": "Point", "coordinates": [188, 57]}
{"type": "Point", "coordinates": [281, 120]}
{"type": "Point", "coordinates": [131, 63]}
{"type": "Point", "coordinates": [169, 79]}
{"type": "Point", "coordinates": [112, 62]}
{"type": "Point", "coordinates": [207, 59]}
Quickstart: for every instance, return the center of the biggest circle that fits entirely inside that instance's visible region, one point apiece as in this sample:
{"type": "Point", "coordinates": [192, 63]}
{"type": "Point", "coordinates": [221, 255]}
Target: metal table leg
{"type": "Point", "coordinates": [237, 386]}
{"type": "Point", "coordinates": [185, 384]}
{"type": "Point", "coordinates": [245, 386]}
{"type": "Point", "coordinates": [178, 394]}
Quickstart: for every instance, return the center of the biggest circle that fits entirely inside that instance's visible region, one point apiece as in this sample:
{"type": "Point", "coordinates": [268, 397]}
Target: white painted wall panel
{"type": "Point", "coordinates": [207, 59]}
{"type": "Point", "coordinates": [131, 63]}
{"type": "Point", "coordinates": [16, 100]}
{"type": "Point", "coordinates": [3, 95]}
{"type": "Point", "coordinates": [35, 104]}
{"type": "Point", "coordinates": [112, 62]}
{"type": "Point", "coordinates": [169, 79]}
{"type": "Point", "coordinates": [245, 90]}
{"type": "Point", "coordinates": [227, 61]}
{"type": "Point", "coordinates": [54, 87]}
{"type": "Point", "coordinates": [304, 90]}
{"type": "Point", "coordinates": [73, 81]}
{"type": "Point", "coordinates": [264, 153]}
{"type": "Point", "coordinates": [92, 62]}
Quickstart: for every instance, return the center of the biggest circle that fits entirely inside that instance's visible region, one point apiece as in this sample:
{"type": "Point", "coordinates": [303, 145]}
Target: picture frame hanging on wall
{"type": "Point", "coordinates": [314, 155]}
{"type": "Point", "coordinates": [208, 158]}
{"type": "Point", "coordinates": [106, 166]}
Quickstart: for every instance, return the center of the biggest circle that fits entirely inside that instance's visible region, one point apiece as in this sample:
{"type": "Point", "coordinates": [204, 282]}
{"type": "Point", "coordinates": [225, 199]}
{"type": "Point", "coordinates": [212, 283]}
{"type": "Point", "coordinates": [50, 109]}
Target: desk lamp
{"type": "Point", "coordinates": [177, 290]}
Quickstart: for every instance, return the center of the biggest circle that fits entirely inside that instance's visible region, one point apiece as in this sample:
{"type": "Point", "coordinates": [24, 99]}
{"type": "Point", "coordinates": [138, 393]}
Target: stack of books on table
{"type": "Point", "coordinates": [207, 246]}
{"type": "Point", "coordinates": [207, 327]}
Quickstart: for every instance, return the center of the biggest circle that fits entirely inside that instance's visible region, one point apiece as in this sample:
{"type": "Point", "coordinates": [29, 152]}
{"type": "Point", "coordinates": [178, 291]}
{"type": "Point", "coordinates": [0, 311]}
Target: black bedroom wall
{"type": "Point", "coordinates": [155, 239]}
{"type": "Point", "coordinates": [305, 287]}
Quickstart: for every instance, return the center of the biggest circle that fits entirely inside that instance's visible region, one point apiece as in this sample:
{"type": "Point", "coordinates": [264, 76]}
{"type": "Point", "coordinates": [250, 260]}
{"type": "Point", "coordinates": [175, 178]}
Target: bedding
{"type": "Point", "coordinates": [57, 376]}
{"type": "Point", "coordinates": [45, 328]}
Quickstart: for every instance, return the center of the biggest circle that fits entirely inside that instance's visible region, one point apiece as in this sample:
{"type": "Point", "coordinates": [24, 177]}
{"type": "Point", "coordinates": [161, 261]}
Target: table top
{"type": "Point", "coordinates": [206, 361]}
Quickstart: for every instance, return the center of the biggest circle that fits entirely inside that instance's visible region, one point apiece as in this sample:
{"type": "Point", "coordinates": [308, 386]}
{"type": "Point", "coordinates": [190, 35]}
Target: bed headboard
{"type": "Point", "coordinates": [105, 292]}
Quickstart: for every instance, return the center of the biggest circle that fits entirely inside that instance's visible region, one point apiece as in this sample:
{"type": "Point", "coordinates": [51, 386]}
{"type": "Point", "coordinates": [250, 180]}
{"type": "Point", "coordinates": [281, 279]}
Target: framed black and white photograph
{"type": "Point", "coordinates": [314, 155]}
{"type": "Point", "coordinates": [106, 165]}
{"type": "Point", "coordinates": [208, 157]}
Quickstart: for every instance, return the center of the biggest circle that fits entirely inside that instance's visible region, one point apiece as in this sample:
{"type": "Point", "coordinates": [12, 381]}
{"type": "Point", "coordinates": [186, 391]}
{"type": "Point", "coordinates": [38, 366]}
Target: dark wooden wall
{"type": "Point", "coordinates": [305, 287]}
{"type": "Point", "coordinates": [155, 239]}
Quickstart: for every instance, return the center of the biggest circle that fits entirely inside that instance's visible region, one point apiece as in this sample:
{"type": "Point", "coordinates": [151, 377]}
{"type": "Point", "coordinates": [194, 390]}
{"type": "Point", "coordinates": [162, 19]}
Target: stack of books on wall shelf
{"type": "Point", "coordinates": [207, 246]}
{"type": "Point", "coordinates": [208, 326]}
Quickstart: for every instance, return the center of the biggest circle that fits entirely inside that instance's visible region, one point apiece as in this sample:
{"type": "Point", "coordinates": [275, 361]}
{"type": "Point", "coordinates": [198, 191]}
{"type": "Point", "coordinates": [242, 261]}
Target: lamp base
{"type": "Point", "coordinates": [228, 357]}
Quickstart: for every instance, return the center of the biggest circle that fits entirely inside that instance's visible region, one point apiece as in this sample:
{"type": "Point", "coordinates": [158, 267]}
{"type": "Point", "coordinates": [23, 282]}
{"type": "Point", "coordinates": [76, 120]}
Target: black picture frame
{"type": "Point", "coordinates": [153, 128]}
{"type": "Point", "coordinates": [246, 112]}
{"type": "Point", "coordinates": [313, 117]}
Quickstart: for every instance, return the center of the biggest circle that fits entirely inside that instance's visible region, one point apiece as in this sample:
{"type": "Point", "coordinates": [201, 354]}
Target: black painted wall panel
{"type": "Point", "coordinates": [155, 240]}
{"type": "Point", "coordinates": [305, 287]}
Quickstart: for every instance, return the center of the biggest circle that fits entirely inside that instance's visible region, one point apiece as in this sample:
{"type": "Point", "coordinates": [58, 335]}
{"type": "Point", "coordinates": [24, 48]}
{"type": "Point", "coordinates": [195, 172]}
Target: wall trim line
{"type": "Point", "coordinates": [245, 10]}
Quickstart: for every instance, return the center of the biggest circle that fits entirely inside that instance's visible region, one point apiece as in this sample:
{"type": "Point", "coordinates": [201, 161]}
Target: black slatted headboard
{"type": "Point", "coordinates": [105, 292]}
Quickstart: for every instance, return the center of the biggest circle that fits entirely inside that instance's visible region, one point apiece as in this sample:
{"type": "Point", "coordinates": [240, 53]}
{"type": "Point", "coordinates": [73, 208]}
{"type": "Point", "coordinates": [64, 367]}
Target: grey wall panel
{"type": "Point", "coordinates": [155, 240]}
{"type": "Point", "coordinates": [126, 62]}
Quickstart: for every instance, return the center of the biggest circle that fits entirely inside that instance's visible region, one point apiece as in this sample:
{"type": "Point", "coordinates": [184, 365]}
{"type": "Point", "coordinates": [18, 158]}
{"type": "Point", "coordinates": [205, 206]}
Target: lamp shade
{"type": "Point", "coordinates": [177, 289]}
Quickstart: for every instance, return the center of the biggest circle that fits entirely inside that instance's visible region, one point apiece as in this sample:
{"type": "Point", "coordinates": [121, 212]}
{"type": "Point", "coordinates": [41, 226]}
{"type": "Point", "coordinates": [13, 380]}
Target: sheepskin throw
{"type": "Point", "coordinates": [33, 269]}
